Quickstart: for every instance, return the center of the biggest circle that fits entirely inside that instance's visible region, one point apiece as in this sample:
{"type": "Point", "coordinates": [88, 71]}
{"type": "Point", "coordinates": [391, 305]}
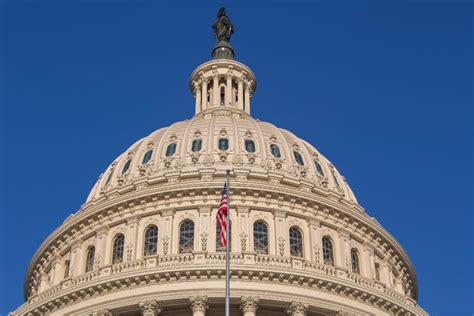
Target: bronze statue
{"type": "Point", "coordinates": [223, 28]}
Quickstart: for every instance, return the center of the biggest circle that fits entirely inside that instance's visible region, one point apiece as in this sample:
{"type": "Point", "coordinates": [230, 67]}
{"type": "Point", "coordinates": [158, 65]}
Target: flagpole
{"type": "Point", "coordinates": [227, 252]}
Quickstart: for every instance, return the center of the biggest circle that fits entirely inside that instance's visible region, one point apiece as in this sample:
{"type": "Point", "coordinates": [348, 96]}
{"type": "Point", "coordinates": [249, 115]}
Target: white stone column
{"type": "Point", "coordinates": [342, 252]}
{"type": "Point", "coordinates": [167, 232]}
{"type": "Point", "coordinates": [132, 224]}
{"type": "Point", "coordinates": [280, 238]}
{"type": "Point", "coordinates": [297, 309]}
{"type": "Point", "coordinates": [198, 97]}
{"type": "Point", "coordinates": [204, 83]}
{"type": "Point", "coordinates": [242, 229]}
{"type": "Point", "coordinates": [240, 94]}
{"type": "Point", "coordinates": [215, 90]}
{"type": "Point", "coordinates": [385, 272]}
{"type": "Point", "coordinates": [228, 89]}
{"type": "Point", "coordinates": [314, 226]}
{"type": "Point", "coordinates": [150, 308]}
{"type": "Point", "coordinates": [367, 261]}
{"type": "Point", "coordinates": [205, 236]}
{"type": "Point", "coordinates": [101, 245]}
{"type": "Point", "coordinates": [199, 305]}
{"type": "Point", "coordinates": [59, 266]}
{"type": "Point", "coordinates": [249, 305]}
{"type": "Point", "coordinates": [76, 267]}
{"type": "Point", "coordinates": [247, 97]}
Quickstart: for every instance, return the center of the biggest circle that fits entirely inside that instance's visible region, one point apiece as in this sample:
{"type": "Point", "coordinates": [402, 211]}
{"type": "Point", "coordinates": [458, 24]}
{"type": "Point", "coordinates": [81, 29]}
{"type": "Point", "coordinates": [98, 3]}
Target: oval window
{"type": "Point", "coordinates": [275, 150]}
{"type": "Point", "coordinates": [170, 150]}
{"type": "Point", "coordinates": [147, 156]}
{"type": "Point", "coordinates": [249, 145]}
{"type": "Point", "coordinates": [196, 146]}
{"type": "Point", "coordinates": [223, 144]}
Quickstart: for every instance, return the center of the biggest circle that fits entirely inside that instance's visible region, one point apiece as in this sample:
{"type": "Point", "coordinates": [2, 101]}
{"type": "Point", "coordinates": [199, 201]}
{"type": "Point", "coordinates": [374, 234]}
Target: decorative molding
{"type": "Point", "coordinates": [199, 303]}
{"type": "Point", "coordinates": [249, 304]}
{"type": "Point", "coordinates": [297, 309]}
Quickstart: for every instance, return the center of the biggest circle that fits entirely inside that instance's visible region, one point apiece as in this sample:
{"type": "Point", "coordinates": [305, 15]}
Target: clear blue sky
{"type": "Point", "coordinates": [383, 89]}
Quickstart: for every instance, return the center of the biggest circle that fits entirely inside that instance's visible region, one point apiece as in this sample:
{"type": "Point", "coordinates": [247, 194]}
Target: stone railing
{"type": "Point", "coordinates": [239, 261]}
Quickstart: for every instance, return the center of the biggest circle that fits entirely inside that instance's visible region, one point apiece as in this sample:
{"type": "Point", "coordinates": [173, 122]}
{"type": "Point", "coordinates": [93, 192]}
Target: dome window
{"type": "Point", "coordinates": [249, 145]}
{"type": "Point", "coordinates": [328, 251]}
{"type": "Point", "coordinates": [319, 168]}
{"type": "Point", "coordinates": [170, 150]}
{"type": "Point", "coordinates": [298, 158]}
{"type": "Point", "coordinates": [109, 177]}
{"type": "Point", "coordinates": [355, 261]}
{"type": "Point", "coordinates": [147, 156]}
{"type": "Point", "coordinates": [275, 150]}
{"type": "Point", "coordinates": [222, 96]}
{"type": "Point", "coordinates": [186, 236]}
{"type": "Point", "coordinates": [219, 246]}
{"type": "Point", "coordinates": [117, 255]}
{"type": "Point", "coordinates": [335, 180]}
{"type": "Point", "coordinates": [223, 144]}
{"type": "Point", "coordinates": [296, 242]}
{"type": "Point", "coordinates": [126, 166]}
{"type": "Point", "coordinates": [90, 256]}
{"type": "Point", "coordinates": [197, 145]}
{"type": "Point", "coordinates": [260, 237]}
{"type": "Point", "coordinates": [151, 241]}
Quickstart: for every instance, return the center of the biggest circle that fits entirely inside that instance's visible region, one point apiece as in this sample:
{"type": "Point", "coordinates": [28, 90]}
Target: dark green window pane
{"type": "Point", "coordinates": [196, 146]}
{"type": "Point", "coordinates": [147, 156]}
{"type": "Point", "coordinates": [319, 168]}
{"type": "Point", "coordinates": [275, 150]}
{"type": "Point", "coordinates": [126, 166]}
{"type": "Point", "coordinates": [223, 144]}
{"type": "Point", "coordinates": [298, 158]}
{"type": "Point", "coordinates": [171, 149]}
{"type": "Point", "coordinates": [249, 145]}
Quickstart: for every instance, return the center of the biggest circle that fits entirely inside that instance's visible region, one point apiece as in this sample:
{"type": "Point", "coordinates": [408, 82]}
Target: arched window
{"type": "Point", "coordinates": [222, 96]}
{"type": "Point", "coordinates": [170, 150]}
{"type": "Point", "coordinates": [196, 145]}
{"type": "Point", "coordinates": [90, 256]}
{"type": "Point", "coordinates": [355, 261]}
{"type": "Point", "coordinates": [328, 251]}
{"type": "Point", "coordinates": [117, 254]}
{"type": "Point", "coordinates": [298, 158]}
{"type": "Point", "coordinates": [223, 144]}
{"type": "Point", "coordinates": [109, 177]}
{"type": "Point", "coordinates": [335, 179]}
{"type": "Point", "coordinates": [275, 150]}
{"type": "Point", "coordinates": [319, 168]}
{"type": "Point", "coordinates": [186, 236]}
{"type": "Point", "coordinates": [150, 246]}
{"type": "Point", "coordinates": [249, 145]}
{"type": "Point", "coordinates": [126, 166]}
{"type": "Point", "coordinates": [296, 242]}
{"type": "Point", "coordinates": [147, 156]}
{"type": "Point", "coordinates": [260, 237]}
{"type": "Point", "coordinates": [218, 237]}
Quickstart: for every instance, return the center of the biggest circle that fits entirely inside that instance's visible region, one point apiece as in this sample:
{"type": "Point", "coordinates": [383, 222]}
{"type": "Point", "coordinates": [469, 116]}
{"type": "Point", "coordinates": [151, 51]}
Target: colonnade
{"type": "Point", "coordinates": [199, 305]}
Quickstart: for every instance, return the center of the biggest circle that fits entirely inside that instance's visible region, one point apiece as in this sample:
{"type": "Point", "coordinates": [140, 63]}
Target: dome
{"type": "Point", "coordinates": [257, 149]}
{"type": "Point", "coordinates": [146, 241]}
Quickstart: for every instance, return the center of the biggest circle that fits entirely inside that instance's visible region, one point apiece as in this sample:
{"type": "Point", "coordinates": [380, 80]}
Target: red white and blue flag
{"type": "Point", "coordinates": [222, 216]}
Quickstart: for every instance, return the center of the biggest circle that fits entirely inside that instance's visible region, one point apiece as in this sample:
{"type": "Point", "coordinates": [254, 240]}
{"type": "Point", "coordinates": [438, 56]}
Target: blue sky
{"type": "Point", "coordinates": [383, 89]}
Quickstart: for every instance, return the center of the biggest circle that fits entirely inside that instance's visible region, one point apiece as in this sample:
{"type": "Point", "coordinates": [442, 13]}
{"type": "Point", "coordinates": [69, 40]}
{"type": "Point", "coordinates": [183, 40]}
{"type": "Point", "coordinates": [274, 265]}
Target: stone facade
{"type": "Point", "coordinates": [175, 175]}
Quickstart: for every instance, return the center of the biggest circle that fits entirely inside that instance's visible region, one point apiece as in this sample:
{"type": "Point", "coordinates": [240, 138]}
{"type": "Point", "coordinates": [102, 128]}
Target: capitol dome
{"type": "Point", "coordinates": [145, 242]}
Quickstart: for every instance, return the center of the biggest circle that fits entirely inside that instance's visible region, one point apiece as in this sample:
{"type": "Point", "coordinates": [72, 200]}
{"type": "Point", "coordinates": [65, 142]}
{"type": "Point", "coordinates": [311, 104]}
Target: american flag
{"type": "Point", "coordinates": [222, 216]}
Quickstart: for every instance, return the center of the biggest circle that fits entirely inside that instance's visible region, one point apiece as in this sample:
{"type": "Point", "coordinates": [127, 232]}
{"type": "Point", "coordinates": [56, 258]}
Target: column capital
{"type": "Point", "coordinates": [150, 308]}
{"type": "Point", "coordinates": [297, 309]}
{"type": "Point", "coordinates": [199, 303]}
{"type": "Point", "coordinates": [249, 304]}
{"type": "Point", "coordinates": [104, 312]}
